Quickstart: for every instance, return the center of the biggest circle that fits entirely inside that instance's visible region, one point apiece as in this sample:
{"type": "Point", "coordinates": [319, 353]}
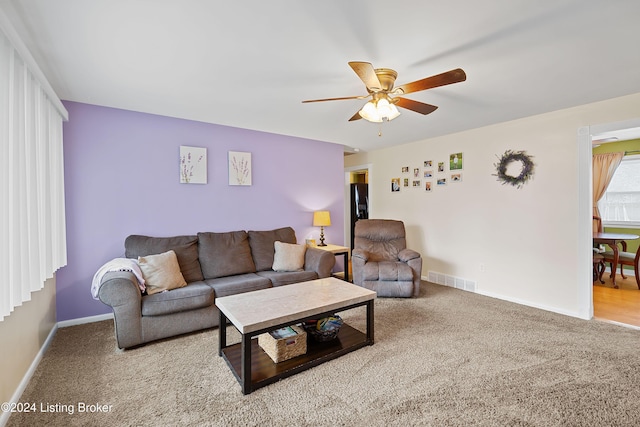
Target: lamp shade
{"type": "Point", "coordinates": [321, 219]}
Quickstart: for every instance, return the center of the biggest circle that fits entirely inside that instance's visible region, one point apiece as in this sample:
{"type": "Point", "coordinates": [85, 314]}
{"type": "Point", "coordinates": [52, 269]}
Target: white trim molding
{"type": "Point", "coordinates": [83, 320]}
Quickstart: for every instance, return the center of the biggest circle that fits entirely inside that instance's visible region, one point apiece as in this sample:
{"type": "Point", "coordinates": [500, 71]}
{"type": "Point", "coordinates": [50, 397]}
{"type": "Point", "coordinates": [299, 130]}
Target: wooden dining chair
{"type": "Point", "coordinates": [598, 259]}
{"type": "Point", "coordinates": [625, 258]}
{"type": "Point", "coordinates": [598, 267]}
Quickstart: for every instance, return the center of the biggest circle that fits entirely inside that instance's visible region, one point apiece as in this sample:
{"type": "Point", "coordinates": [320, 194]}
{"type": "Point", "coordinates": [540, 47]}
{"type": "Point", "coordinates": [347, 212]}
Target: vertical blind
{"type": "Point", "coordinates": [32, 215]}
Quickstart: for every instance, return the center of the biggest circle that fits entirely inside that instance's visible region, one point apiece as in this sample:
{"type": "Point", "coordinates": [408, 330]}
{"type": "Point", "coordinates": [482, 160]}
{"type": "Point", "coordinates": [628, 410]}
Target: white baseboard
{"type": "Point", "coordinates": [441, 279]}
{"type": "Point", "coordinates": [83, 320]}
{"type": "Point", "coordinates": [529, 304]}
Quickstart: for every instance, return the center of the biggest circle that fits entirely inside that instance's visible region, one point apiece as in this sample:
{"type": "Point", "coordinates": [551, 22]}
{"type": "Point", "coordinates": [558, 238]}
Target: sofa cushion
{"type": "Point", "coordinates": [185, 247]}
{"type": "Point", "coordinates": [263, 245]}
{"type": "Point", "coordinates": [193, 296]}
{"type": "Point", "coordinates": [161, 272]}
{"type": "Point", "coordinates": [231, 285]}
{"type": "Point", "coordinates": [225, 254]}
{"type": "Point", "coordinates": [288, 257]}
{"type": "Point", "coordinates": [286, 278]}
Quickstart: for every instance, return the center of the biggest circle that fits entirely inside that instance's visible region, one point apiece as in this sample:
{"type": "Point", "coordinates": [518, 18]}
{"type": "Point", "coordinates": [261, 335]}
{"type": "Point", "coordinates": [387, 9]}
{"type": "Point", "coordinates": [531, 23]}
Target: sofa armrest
{"type": "Point", "coordinates": [320, 261]}
{"type": "Point", "coordinates": [120, 291]}
{"type": "Point", "coordinates": [406, 255]}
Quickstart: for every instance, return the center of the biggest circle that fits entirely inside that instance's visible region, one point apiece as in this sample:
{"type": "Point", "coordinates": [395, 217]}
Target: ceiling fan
{"type": "Point", "coordinates": [385, 98]}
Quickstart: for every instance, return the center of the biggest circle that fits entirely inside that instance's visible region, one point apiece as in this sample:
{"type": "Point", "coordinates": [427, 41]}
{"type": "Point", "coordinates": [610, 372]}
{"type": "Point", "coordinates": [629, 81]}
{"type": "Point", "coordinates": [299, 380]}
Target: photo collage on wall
{"type": "Point", "coordinates": [430, 174]}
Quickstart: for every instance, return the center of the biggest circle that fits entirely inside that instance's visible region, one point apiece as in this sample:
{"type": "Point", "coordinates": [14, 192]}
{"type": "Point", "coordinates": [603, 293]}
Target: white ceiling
{"type": "Point", "coordinates": [250, 63]}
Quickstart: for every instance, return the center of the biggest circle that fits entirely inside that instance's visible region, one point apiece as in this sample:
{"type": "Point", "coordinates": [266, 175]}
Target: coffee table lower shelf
{"type": "Point", "coordinates": [264, 371]}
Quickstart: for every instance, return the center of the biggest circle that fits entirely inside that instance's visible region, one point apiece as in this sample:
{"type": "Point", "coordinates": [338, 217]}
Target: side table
{"type": "Point", "coordinates": [339, 250]}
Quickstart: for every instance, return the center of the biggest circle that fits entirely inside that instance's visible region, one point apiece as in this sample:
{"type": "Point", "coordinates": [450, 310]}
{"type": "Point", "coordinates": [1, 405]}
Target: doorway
{"type": "Point", "coordinates": [358, 200]}
{"type": "Point", "coordinates": [615, 305]}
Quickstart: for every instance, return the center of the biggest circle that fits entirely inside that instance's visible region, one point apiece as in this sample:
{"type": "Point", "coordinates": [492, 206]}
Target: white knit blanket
{"type": "Point", "coordinates": [117, 264]}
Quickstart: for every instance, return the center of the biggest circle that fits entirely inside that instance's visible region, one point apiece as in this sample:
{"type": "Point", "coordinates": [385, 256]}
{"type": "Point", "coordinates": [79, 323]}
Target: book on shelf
{"type": "Point", "coordinates": [285, 332]}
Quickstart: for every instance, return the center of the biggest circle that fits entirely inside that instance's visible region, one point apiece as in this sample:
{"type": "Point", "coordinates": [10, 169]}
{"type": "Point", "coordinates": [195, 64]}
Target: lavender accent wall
{"type": "Point", "coordinates": [122, 178]}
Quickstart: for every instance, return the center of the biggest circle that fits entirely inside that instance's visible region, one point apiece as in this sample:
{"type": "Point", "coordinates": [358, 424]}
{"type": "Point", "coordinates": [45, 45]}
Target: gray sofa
{"type": "Point", "coordinates": [213, 265]}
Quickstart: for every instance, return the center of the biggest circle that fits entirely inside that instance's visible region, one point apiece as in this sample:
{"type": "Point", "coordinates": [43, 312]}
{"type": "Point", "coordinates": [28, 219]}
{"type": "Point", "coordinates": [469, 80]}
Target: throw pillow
{"type": "Point", "coordinates": [288, 257]}
{"type": "Point", "coordinates": [262, 245]}
{"type": "Point", "coordinates": [185, 247]}
{"type": "Point", "coordinates": [161, 272]}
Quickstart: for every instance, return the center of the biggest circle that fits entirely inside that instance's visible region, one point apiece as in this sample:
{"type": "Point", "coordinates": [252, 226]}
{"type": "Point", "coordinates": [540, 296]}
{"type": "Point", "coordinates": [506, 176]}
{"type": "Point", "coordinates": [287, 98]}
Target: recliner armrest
{"type": "Point", "coordinates": [406, 255]}
{"type": "Point", "coordinates": [360, 253]}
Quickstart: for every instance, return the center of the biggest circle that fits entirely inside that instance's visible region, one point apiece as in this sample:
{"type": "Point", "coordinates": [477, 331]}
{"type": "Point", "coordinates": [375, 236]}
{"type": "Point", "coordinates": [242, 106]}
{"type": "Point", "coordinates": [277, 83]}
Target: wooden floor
{"type": "Point", "coordinates": [619, 305]}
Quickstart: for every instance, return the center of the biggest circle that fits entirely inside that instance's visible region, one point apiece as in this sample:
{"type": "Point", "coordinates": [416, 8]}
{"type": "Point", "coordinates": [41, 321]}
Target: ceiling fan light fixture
{"type": "Point", "coordinates": [387, 110]}
{"type": "Point", "coordinates": [379, 110]}
{"type": "Point", "coordinates": [394, 112]}
{"type": "Point", "coordinates": [370, 112]}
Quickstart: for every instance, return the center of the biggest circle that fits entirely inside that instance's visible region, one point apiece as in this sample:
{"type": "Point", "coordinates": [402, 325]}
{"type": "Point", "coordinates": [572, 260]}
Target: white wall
{"type": "Point", "coordinates": [526, 238]}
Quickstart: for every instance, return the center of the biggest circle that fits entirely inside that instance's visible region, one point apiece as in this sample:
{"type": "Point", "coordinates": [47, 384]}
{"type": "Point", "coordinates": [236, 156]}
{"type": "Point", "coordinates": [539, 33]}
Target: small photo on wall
{"type": "Point", "coordinates": [427, 185]}
{"type": "Point", "coordinates": [455, 161]}
{"type": "Point", "coordinates": [428, 163]}
{"type": "Point", "coordinates": [428, 174]}
{"type": "Point", "coordinates": [395, 184]}
{"type": "Point", "coordinates": [416, 172]}
{"type": "Point", "coordinates": [406, 182]}
{"type": "Point", "coordinates": [440, 166]}
{"type": "Point", "coordinates": [417, 183]}
{"type": "Point", "coordinates": [405, 169]}
{"type": "Point", "coordinates": [456, 177]}
{"type": "Point", "coordinates": [442, 181]}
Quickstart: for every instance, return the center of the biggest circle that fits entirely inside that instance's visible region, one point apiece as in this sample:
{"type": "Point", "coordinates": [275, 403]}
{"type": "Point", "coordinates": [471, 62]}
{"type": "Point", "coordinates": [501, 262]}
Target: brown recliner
{"type": "Point", "coordinates": [381, 261]}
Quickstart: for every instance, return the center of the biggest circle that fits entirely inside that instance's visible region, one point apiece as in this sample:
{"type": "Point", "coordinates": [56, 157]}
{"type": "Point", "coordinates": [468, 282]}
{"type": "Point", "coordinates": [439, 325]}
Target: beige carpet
{"type": "Point", "coordinates": [448, 358]}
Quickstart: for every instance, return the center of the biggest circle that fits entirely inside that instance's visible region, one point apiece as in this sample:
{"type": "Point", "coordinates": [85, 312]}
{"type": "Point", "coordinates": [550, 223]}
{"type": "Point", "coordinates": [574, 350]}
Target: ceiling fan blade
{"type": "Point", "coordinates": [336, 99]}
{"type": "Point", "coordinates": [418, 107]}
{"type": "Point", "coordinates": [356, 116]}
{"type": "Point", "coordinates": [367, 74]}
{"type": "Point", "coordinates": [454, 76]}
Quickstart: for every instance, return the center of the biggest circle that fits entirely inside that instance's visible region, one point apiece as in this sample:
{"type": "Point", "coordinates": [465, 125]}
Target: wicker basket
{"type": "Point", "coordinates": [283, 349]}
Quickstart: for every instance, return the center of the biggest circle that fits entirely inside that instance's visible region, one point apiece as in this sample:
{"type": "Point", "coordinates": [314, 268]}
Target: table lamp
{"type": "Point", "coordinates": [321, 219]}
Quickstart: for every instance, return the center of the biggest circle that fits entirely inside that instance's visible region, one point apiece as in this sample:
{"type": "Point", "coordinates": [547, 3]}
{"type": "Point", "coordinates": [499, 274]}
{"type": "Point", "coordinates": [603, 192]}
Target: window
{"type": "Point", "coordinates": [620, 205]}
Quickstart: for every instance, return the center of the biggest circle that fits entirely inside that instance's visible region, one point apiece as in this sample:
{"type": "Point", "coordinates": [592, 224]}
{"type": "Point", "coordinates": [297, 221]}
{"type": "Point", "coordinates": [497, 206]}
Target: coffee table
{"type": "Point", "coordinates": [257, 312]}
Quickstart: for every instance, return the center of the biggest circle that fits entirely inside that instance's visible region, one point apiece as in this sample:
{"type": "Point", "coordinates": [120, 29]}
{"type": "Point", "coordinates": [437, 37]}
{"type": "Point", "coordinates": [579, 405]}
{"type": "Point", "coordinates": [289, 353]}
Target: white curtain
{"type": "Point", "coordinates": [32, 215]}
{"type": "Point", "coordinates": [604, 166]}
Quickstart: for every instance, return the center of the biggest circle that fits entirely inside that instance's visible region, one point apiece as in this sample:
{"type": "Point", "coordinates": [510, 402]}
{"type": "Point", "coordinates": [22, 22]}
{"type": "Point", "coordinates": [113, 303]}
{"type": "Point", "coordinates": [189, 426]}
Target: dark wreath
{"type": "Point", "coordinates": [514, 156]}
